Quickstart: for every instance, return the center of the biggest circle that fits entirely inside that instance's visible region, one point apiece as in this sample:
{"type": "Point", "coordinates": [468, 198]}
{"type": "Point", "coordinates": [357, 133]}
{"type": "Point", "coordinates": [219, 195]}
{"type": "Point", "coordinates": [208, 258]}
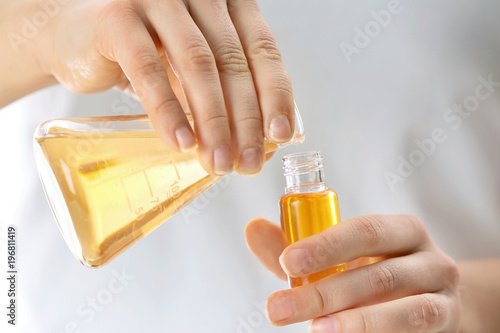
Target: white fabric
{"type": "Point", "coordinates": [195, 273]}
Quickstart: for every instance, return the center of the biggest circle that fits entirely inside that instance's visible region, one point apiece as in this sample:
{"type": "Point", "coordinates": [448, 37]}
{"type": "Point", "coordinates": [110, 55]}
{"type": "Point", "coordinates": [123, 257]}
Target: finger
{"type": "Point", "coordinates": [176, 86]}
{"type": "Point", "coordinates": [420, 313]}
{"type": "Point", "coordinates": [265, 240]}
{"type": "Point", "coordinates": [272, 82]}
{"type": "Point", "coordinates": [127, 41]}
{"type": "Point", "coordinates": [240, 96]}
{"type": "Point", "coordinates": [193, 62]}
{"type": "Point", "coordinates": [365, 236]}
{"type": "Point", "coordinates": [422, 272]}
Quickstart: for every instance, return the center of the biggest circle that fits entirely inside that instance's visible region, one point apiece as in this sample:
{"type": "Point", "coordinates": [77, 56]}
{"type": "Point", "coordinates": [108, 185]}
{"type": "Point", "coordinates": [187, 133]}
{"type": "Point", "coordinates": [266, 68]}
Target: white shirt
{"type": "Point", "coordinates": [362, 110]}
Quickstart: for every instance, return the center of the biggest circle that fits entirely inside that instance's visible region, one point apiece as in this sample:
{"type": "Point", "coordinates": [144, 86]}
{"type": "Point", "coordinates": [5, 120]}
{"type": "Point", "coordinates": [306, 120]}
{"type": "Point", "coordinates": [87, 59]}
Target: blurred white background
{"type": "Point", "coordinates": [194, 273]}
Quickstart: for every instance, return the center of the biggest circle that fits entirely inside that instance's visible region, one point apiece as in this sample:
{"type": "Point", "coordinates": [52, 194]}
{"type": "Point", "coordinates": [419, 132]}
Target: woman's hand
{"type": "Point", "coordinates": [412, 288]}
{"type": "Point", "coordinates": [215, 59]}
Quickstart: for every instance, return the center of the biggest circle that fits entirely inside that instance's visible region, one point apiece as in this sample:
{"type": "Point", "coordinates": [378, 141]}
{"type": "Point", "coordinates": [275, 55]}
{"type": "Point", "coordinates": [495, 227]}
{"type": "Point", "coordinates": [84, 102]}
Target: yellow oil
{"type": "Point", "coordinates": [120, 185]}
{"type": "Point", "coordinates": [304, 215]}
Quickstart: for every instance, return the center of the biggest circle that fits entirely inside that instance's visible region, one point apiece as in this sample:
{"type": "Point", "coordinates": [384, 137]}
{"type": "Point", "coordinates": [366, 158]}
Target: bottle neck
{"type": "Point", "coordinates": [304, 173]}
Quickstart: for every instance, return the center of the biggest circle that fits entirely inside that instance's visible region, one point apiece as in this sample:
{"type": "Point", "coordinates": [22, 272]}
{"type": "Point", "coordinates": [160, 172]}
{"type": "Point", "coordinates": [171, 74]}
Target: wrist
{"type": "Point", "coordinates": [26, 26]}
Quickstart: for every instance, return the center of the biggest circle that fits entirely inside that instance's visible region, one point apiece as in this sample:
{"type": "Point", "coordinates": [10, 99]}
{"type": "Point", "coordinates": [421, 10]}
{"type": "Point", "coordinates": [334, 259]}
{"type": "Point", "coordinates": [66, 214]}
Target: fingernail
{"type": "Point", "coordinates": [185, 139]}
{"type": "Point", "coordinates": [296, 263]}
{"type": "Point", "coordinates": [280, 128]}
{"type": "Point", "coordinates": [323, 325]}
{"type": "Point", "coordinates": [223, 161]}
{"type": "Point", "coordinates": [250, 161]}
{"type": "Point", "coordinates": [279, 309]}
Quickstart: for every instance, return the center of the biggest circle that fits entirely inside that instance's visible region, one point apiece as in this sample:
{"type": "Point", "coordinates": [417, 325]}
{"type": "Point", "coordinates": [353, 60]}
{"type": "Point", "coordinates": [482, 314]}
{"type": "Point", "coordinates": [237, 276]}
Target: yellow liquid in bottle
{"type": "Point", "coordinates": [306, 214]}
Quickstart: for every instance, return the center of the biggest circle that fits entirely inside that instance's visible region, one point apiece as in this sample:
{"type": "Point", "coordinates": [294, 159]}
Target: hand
{"type": "Point", "coordinates": [412, 288]}
{"type": "Point", "coordinates": [217, 59]}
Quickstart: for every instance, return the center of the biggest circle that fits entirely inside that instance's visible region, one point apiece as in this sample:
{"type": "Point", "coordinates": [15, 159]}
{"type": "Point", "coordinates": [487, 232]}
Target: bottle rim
{"type": "Point", "coordinates": [302, 162]}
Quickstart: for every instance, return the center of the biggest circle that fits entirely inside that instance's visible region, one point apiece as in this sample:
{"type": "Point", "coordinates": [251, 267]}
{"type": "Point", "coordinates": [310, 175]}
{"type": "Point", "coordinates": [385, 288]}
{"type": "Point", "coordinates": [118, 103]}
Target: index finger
{"type": "Point", "coordinates": [194, 64]}
{"type": "Point", "coordinates": [365, 236]}
{"type": "Point", "coordinates": [127, 41]}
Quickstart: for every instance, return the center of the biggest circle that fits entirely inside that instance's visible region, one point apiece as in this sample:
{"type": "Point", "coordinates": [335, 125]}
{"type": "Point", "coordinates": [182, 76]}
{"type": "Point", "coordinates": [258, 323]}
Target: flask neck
{"type": "Point", "coordinates": [304, 172]}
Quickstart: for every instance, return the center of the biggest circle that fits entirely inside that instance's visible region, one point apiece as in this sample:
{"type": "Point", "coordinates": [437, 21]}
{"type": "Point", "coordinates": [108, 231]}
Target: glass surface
{"type": "Point", "coordinates": [304, 215]}
{"type": "Point", "coordinates": [111, 180]}
{"type": "Point", "coordinates": [308, 207]}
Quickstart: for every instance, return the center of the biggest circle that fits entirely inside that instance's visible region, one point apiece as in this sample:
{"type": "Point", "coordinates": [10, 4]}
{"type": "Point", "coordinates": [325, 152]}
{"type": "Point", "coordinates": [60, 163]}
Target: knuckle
{"type": "Point", "coordinates": [215, 122]}
{"type": "Point", "coordinates": [452, 272]}
{"type": "Point", "coordinates": [252, 129]}
{"type": "Point", "coordinates": [372, 227]}
{"type": "Point", "coordinates": [148, 71]}
{"type": "Point", "coordinates": [166, 105]}
{"type": "Point", "coordinates": [325, 248]}
{"type": "Point", "coordinates": [232, 60]}
{"type": "Point", "coordinates": [282, 83]}
{"type": "Point", "coordinates": [425, 313]}
{"type": "Point", "coordinates": [197, 55]}
{"type": "Point", "coordinates": [362, 321]}
{"type": "Point", "coordinates": [365, 321]}
{"type": "Point", "coordinates": [417, 226]}
{"type": "Point", "coordinates": [147, 64]}
{"type": "Point", "coordinates": [264, 46]}
{"type": "Point", "coordinates": [250, 121]}
{"type": "Point", "coordinates": [415, 222]}
{"type": "Point", "coordinates": [323, 300]}
{"type": "Point", "coordinates": [382, 280]}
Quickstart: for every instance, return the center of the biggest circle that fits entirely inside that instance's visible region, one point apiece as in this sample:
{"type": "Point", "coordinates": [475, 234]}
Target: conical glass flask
{"type": "Point", "coordinates": [111, 180]}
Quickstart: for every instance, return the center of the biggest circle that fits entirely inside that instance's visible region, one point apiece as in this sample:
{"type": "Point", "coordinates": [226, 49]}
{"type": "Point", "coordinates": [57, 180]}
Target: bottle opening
{"type": "Point", "coordinates": [302, 162]}
{"type": "Point", "coordinates": [304, 172]}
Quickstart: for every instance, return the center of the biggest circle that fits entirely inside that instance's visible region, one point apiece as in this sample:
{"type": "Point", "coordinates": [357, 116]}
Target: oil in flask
{"type": "Point", "coordinates": [111, 180]}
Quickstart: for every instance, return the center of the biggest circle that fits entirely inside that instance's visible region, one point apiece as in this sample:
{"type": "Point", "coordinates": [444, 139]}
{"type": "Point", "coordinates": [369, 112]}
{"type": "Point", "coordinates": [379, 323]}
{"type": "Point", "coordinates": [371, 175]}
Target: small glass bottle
{"type": "Point", "coordinates": [308, 206]}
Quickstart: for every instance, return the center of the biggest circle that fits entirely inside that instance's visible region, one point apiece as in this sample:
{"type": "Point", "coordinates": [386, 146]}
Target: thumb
{"type": "Point", "coordinates": [265, 240]}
